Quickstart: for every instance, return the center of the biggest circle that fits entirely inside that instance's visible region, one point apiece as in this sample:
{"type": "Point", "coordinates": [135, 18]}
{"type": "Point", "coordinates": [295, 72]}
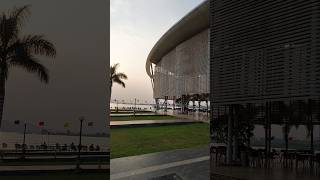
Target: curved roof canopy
{"type": "Point", "coordinates": [193, 23]}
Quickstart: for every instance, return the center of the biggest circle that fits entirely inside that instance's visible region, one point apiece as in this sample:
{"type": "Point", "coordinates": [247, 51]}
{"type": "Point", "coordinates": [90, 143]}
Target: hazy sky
{"type": "Point", "coordinates": [136, 25]}
{"type": "Point", "coordinates": [79, 30]}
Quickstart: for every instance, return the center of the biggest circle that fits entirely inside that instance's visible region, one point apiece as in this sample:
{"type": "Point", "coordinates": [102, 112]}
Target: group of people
{"type": "Point", "coordinates": [58, 147]}
{"type": "Point", "coordinates": [73, 147]}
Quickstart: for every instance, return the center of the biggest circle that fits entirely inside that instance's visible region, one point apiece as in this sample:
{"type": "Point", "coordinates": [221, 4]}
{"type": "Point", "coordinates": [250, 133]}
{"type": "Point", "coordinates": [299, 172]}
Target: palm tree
{"type": "Point", "coordinates": [20, 51]}
{"type": "Point", "coordinates": [116, 77]}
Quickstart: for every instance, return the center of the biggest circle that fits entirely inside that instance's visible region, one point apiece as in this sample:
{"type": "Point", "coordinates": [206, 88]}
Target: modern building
{"type": "Point", "coordinates": [252, 57]}
{"type": "Point", "coordinates": [178, 64]}
{"type": "Point", "coordinates": [265, 50]}
{"type": "Point", "coordinates": [264, 54]}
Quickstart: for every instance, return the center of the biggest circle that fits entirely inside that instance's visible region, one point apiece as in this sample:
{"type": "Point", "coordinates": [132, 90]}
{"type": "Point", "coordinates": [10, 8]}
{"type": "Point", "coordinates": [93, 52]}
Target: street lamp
{"type": "Point", "coordinates": [80, 144]}
{"type": "Point", "coordinates": [17, 122]}
{"type": "Point", "coordinates": [135, 104]}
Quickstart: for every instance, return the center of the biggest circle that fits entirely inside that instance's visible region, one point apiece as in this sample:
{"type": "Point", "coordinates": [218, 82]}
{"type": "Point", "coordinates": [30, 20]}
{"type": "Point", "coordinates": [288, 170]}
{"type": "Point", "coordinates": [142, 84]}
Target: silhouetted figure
{"type": "Point", "coordinates": [44, 146]}
{"type": "Point", "coordinates": [58, 147]}
{"type": "Point", "coordinates": [97, 148]}
{"type": "Point", "coordinates": [73, 147]}
{"type": "Point", "coordinates": [91, 147]}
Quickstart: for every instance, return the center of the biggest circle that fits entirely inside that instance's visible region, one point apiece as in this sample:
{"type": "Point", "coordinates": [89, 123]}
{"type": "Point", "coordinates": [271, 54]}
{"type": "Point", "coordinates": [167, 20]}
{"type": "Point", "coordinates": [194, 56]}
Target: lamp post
{"type": "Point", "coordinates": [24, 141]}
{"type": "Point", "coordinates": [80, 144]}
{"type": "Point", "coordinates": [135, 104]}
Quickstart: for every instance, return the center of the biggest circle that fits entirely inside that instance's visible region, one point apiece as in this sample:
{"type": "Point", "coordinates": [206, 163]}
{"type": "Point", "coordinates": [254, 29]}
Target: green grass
{"type": "Point", "coordinates": [142, 140]}
{"type": "Point", "coordinates": [141, 117]}
{"type": "Point", "coordinates": [91, 176]}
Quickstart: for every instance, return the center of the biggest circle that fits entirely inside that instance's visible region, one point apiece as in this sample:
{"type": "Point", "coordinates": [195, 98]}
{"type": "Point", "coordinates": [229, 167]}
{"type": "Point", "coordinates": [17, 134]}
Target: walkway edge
{"type": "Point", "coordinates": [158, 167]}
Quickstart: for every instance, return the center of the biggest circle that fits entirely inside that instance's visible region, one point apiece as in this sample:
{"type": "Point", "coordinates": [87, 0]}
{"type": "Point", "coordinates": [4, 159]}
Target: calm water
{"type": "Point", "coordinates": [12, 138]}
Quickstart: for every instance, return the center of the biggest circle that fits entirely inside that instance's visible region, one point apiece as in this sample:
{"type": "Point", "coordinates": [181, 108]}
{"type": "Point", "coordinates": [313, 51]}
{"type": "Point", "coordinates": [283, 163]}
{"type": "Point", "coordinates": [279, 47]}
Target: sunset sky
{"type": "Point", "coordinates": [136, 25]}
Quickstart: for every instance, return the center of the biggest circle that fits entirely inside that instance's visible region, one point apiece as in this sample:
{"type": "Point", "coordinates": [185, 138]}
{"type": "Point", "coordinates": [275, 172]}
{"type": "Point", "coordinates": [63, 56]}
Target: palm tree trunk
{"type": "Point", "coordinates": [2, 94]}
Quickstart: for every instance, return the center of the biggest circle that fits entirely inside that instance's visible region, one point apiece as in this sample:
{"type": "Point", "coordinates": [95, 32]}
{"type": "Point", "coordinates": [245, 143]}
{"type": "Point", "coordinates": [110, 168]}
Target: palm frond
{"type": "Point", "coordinates": [114, 68]}
{"type": "Point", "coordinates": [39, 46]}
{"type": "Point", "coordinates": [117, 77]}
{"type": "Point", "coordinates": [20, 14]}
{"type": "Point", "coordinates": [8, 31]}
{"type": "Point", "coordinates": [119, 81]}
{"type": "Point", "coordinates": [35, 45]}
{"type": "Point", "coordinates": [11, 24]}
{"type": "Point", "coordinates": [32, 65]}
{"type": "Point", "coordinates": [121, 76]}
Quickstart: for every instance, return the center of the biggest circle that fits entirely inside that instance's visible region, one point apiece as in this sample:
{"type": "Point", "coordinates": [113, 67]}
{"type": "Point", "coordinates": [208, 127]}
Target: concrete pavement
{"type": "Point", "coordinates": [150, 122]}
{"type": "Point", "coordinates": [187, 164]}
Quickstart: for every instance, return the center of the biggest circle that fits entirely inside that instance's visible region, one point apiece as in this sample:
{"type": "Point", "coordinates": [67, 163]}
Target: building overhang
{"type": "Point", "coordinates": [193, 23]}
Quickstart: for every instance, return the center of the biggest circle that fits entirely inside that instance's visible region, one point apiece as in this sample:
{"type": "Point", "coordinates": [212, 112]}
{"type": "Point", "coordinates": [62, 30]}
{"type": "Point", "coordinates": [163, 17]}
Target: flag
{"type": "Point", "coordinates": [90, 123]}
{"type": "Point", "coordinates": [66, 125]}
{"type": "Point", "coordinates": [16, 122]}
{"type": "Point", "coordinates": [41, 124]}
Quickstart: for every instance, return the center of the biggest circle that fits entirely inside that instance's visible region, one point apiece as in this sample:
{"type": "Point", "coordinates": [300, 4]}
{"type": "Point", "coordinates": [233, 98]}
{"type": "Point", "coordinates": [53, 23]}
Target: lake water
{"type": "Point", "coordinates": [11, 138]}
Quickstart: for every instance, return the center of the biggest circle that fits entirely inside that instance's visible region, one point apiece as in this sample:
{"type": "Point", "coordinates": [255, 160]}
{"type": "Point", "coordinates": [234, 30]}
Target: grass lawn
{"type": "Point", "coordinates": [141, 117]}
{"type": "Point", "coordinates": [91, 176]}
{"type": "Point", "coordinates": [142, 140]}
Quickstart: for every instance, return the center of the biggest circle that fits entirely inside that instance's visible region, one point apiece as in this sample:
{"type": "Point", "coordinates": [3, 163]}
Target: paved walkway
{"type": "Point", "coordinates": [50, 168]}
{"type": "Point", "coordinates": [242, 173]}
{"type": "Point", "coordinates": [189, 164]}
{"type": "Point", "coordinates": [150, 122]}
{"type": "Point", "coordinates": [199, 116]}
{"type": "Point", "coordinates": [131, 114]}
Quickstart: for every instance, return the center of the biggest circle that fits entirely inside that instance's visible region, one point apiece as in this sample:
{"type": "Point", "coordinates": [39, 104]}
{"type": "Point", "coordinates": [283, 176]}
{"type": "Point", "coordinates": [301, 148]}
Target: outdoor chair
{"type": "Point", "coordinates": [288, 158]}
{"type": "Point", "coordinates": [221, 154]}
{"type": "Point", "coordinates": [275, 158]}
{"type": "Point", "coordinates": [303, 159]}
{"type": "Point", "coordinates": [317, 160]}
{"type": "Point", "coordinates": [256, 158]}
